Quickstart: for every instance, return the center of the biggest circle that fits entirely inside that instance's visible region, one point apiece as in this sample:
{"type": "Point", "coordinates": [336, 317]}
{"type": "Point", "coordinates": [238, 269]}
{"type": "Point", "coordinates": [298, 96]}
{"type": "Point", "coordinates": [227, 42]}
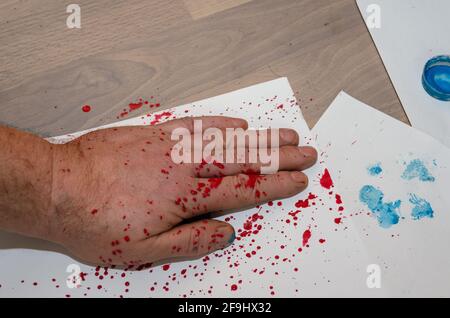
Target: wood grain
{"type": "Point", "coordinates": [155, 48]}
{"type": "Point", "coordinates": [204, 8]}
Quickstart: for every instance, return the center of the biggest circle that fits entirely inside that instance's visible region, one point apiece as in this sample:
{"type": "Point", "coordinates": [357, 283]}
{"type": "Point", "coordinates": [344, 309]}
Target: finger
{"type": "Point", "coordinates": [193, 240]}
{"type": "Point", "coordinates": [241, 191]}
{"type": "Point", "coordinates": [289, 158]}
{"type": "Point", "coordinates": [220, 122]}
{"type": "Point", "coordinates": [251, 138]}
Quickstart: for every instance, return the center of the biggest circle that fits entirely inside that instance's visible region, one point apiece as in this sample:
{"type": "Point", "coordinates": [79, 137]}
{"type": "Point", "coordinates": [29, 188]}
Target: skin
{"type": "Point", "coordinates": [115, 197]}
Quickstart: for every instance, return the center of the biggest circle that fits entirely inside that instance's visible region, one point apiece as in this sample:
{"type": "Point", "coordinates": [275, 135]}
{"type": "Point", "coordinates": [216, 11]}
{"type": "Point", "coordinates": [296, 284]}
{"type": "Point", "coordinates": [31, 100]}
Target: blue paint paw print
{"type": "Point", "coordinates": [387, 213]}
{"type": "Point", "coordinates": [421, 209]}
{"type": "Point", "coordinates": [417, 169]}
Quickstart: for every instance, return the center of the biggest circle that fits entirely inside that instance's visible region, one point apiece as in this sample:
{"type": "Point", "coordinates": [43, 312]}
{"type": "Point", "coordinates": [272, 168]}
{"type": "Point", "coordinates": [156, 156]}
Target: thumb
{"type": "Point", "coordinates": [194, 240]}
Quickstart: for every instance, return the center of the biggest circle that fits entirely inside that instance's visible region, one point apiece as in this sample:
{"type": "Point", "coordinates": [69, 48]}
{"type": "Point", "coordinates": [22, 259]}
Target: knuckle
{"type": "Point", "coordinates": [278, 180]}
{"type": "Point", "coordinates": [242, 190]}
{"type": "Point", "coordinates": [193, 242]}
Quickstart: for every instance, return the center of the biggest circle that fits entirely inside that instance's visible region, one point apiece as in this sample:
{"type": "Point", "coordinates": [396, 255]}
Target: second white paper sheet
{"type": "Point", "coordinates": [410, 33]}
{"type": "Point", "coordinates": [394, 183]}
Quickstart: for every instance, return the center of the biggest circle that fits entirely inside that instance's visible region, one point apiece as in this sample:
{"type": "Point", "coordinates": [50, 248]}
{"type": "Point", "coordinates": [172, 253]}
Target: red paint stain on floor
{"type": "Point", "coordinates": [86, 108]}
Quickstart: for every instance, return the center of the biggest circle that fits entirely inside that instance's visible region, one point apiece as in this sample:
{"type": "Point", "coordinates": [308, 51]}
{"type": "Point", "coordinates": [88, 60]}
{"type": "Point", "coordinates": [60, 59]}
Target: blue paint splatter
{"type": "Point", "coordinates": [375, 170]}
{"type": "Point", "coordinates": [422, 208]}
{"type": "Point", "coordinates": [386, 213]}
{"type": "Point", "coordinates": [417, 169]}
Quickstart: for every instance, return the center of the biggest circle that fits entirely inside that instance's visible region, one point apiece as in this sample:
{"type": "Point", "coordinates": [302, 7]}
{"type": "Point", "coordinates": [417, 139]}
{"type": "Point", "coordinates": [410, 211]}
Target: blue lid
{"type": "Point", "coordinates": [436, 77]}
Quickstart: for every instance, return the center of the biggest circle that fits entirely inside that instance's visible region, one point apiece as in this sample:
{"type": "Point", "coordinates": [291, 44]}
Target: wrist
{"type": "Point", "coordinates": [26, 173]}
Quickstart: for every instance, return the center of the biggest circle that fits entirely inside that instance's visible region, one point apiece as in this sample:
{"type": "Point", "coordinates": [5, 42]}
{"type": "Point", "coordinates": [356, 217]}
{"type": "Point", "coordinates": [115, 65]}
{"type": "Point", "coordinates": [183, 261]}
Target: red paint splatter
{"type": "Point", "coordinates": [158, 117]}
{"type": "Point", "coordinates": [86, 108]}
{"type": "Point", "coordinates": [337, 220]}
{"type": "Point", "coordinates": [214, 183]}
{"type": "Point", "coordinates": [252, 180]}
{"type": "Point", "coordinates": [338, 199]}
{"type": "Point", "coordinates": [134, 106]}
{"type": "Point", "coordinates": [234, 287]}
{"type": "Point", "coordinates": [219, 165]}
{"type": "Point", "coordinates": [305, 203]}
{"type": "Point", "coordinates": [248, 225]}
{"type": "Point", "coordinates": [325, 180]}
{"type": "Point", "coordinates": [306, 237]}
{"type": "Point", "coordinates": [166, 267]}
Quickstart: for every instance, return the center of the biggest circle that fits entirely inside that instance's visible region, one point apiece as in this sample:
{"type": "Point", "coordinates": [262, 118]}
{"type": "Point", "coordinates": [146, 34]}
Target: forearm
{"type": "Point", "coordinates": [25, 183]}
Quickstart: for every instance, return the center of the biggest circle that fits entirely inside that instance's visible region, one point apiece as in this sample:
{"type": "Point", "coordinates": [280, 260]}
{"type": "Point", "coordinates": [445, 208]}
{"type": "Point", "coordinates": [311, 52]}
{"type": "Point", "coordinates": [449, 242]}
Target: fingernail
{"type": "Point", "coordinates": [232, 238]}
{"type": "Point", "coordinates": [298, 177]}
{"type": "Point", "coordinates": [288, 135]}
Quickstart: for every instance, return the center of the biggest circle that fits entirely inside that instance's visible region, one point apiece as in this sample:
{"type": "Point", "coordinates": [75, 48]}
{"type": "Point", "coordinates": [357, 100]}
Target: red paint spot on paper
{"type": "Point", "coordinates": [158, 117]}
{"type": "Point", "coordinates": [166, 267]}
{"type": "Point", "coordinates": [337, 220]}
{"type": "Point", "coordinates": [305, 203]}
{"type": "Point", "coordinates": [325, 180]}
{"type": "Point", "coordinates": [234, 287]}
{"type": "Point", "coordinates": [306, 237]}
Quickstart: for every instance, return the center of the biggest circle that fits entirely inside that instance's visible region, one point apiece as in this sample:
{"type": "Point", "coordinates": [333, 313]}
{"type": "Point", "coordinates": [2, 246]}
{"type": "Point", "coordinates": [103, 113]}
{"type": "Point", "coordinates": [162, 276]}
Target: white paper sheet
{"type": "Point", "coordinates": [364, 147]}
{"type": "Point", "coordinates": [411, 33]}
{"type": "Point", "coordinates": [334, 267]}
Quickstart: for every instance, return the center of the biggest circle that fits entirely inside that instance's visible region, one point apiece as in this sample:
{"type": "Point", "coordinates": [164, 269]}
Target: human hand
{"type": "Point", "coordinates": [118, 198]}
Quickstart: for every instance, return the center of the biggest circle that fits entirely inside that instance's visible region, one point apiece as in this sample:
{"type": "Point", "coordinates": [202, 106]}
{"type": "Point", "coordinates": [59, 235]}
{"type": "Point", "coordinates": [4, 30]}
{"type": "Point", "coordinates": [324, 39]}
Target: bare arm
{"type": "Point", "coordinates": [25, 183]}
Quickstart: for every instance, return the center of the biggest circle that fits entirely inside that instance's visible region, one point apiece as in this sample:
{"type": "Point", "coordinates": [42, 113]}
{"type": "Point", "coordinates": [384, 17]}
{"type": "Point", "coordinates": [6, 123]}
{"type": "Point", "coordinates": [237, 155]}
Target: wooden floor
{"type": "Point", "coordinates": [179, 51]}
